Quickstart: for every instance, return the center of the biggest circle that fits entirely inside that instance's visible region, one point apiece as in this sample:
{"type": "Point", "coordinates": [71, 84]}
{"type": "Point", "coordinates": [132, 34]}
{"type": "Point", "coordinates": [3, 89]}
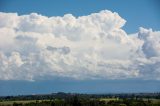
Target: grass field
{"type": "Point", "coordinates": [153, 100]}
{"type": "Point", "coordinates": [109, 99]}
{"type": "Point", "coordinates": [22, 101]}
{"type": "Point", "coordinates": [10, 103]}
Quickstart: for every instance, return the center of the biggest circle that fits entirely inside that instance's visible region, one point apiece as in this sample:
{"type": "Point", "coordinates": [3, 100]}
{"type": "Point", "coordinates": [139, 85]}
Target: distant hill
{"type": "Point", "coordinates": [62, 95]}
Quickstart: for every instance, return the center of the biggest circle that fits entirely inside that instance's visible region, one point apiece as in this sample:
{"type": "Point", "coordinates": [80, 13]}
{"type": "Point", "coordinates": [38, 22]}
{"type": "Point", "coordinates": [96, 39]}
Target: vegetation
{"type": "Point", "coordinates": [63, 99]}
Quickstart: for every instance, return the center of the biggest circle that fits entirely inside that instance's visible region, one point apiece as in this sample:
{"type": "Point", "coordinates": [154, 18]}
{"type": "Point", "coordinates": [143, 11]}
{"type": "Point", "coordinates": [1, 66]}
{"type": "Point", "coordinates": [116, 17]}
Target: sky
{"type": "Point", "coordinates": [79, 46]}
{"type": "Point", "coordinates": [137, 13]}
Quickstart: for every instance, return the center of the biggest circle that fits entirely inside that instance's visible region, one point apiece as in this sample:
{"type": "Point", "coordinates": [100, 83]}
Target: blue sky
{"type": "Point", "coordinates": [138, 13]}
{"type": "Point", "coordinates": [48, 57]}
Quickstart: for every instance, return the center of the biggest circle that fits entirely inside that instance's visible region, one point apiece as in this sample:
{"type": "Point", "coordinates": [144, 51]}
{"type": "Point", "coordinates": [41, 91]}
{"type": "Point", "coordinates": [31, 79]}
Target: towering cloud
{"type": "Point", "coordinates": [34, 47]}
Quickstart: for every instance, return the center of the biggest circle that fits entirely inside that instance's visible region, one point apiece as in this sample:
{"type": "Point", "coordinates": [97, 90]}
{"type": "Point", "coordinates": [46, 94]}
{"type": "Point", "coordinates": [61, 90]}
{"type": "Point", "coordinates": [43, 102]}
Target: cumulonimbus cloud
{"type": "Point", "coordinates": [95, 46]}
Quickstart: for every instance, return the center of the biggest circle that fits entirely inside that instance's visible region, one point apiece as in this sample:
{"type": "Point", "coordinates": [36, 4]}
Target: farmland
{"type": "Point", "coordinates": [69, 99]}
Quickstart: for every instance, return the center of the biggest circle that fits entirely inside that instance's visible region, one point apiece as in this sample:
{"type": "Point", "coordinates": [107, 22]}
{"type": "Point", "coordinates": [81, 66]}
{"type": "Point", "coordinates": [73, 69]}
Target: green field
{"type": "Point", "coordinates": [5, 103]}
{"type": "Point", "coordinates": [20, 101]}
{"type": "Point", "coordinates": [109, 99]}
{"type": "Point", "coordinates": [102, 101]}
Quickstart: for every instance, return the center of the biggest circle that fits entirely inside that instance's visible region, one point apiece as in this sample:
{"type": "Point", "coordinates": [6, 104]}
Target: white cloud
{"type": "Point", "coordinates": [151, 46]}
{"type": "Point", "coordinates": [34, 47]}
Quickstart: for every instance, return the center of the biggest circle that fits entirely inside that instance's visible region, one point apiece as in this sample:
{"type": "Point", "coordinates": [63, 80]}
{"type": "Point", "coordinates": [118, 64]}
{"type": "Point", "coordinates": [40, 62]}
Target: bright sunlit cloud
{"type": "Point", "coordinates": [95, 46]}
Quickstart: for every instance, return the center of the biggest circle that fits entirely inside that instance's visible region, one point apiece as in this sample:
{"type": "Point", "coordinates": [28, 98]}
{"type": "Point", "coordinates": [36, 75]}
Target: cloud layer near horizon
{"type": "Point", "coordinates": [95, 46]}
